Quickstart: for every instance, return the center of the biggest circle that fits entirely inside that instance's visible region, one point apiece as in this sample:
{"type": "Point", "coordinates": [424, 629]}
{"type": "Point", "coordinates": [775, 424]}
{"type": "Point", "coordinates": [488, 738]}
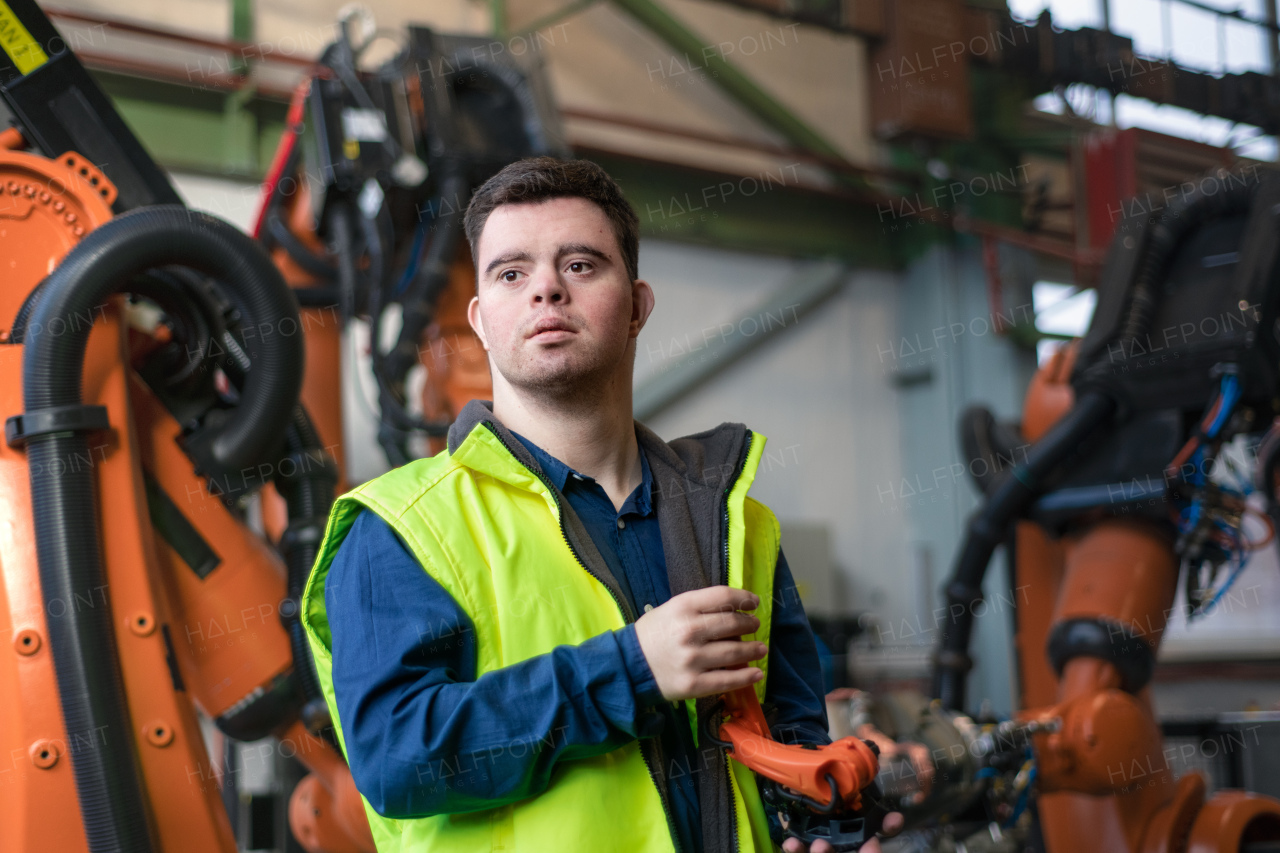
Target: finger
{"type": "Point", "coordinates": [728, 653]}
{"type": "Point", "coordinates": [717, 626]}
{"type": "Point", "coordinates": [871, 846]}
{"type": "Point", "coordinates": [888, 746]}
{"type": "Point", "coordinates": [793, 845]}
{"type": "Point", "coordinates": [920, 760]}
{"type": "Point", "coordinates": [713, 598]}
{"type": "Point", "coordinates": [820, 846]}
{"type": "Point", "coordinates": [892, 824]}
{"type": "Point", "coordinates": [723, 680]}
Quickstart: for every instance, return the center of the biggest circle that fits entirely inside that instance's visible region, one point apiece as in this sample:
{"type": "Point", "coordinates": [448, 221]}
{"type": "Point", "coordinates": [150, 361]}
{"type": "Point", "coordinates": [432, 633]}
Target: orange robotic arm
{"type": "Point", "coordinates": [819, 788]}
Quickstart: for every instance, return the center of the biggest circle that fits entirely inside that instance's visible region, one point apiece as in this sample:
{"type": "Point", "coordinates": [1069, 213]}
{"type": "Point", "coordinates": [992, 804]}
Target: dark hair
{"type": "Point", "coordinates": [540, 178]}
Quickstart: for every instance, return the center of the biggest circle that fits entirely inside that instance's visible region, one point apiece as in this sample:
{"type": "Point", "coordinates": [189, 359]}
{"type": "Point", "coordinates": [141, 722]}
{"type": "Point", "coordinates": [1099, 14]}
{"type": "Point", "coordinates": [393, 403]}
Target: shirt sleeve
{"type": "Point", "coordinates": [424, 736]}
{"type": "Point", "coordinates": [794, 686]}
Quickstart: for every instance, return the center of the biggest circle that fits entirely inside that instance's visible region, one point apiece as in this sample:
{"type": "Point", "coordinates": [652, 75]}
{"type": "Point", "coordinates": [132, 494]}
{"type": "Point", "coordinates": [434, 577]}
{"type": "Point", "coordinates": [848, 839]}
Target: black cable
{"type": "Point", "coordinates": [396, 423]}
{"type": "Point", "coordinates": [987, 529]}
{"type": "Point", "coordinates": [316, 297]}
{"type": "Point", "coordinates": [348, 277]}
{"type": "Point", "coordinates": [284, 237]}
{"type": "Point", "coordinates": [432, 278]}
{"type": "Point", "coordinates": [278, 233]}
{"type": "Point", "coordinates": [375, 278]}
{"type": "Point", "coordinates": [393, 439]}
{"type": "Point", "coordinates": [308, 489]}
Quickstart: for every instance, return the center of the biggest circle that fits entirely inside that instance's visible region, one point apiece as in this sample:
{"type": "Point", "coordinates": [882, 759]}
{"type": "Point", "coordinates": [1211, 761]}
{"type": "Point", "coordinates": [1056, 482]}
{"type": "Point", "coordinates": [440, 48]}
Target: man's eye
{"type": "Point", "coordinates": [508, 276]}
{"type": "Point", "coordinates": [579, 266]}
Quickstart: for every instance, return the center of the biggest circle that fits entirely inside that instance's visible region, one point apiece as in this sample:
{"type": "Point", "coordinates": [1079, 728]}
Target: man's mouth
{"type": "Point", "coordinates": [551, 329]}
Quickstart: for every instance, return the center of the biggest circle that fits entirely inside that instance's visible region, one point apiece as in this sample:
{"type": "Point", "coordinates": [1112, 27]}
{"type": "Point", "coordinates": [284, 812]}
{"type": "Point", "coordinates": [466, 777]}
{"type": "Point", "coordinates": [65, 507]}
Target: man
{"type": "Point", "coordinates": [519, 640]}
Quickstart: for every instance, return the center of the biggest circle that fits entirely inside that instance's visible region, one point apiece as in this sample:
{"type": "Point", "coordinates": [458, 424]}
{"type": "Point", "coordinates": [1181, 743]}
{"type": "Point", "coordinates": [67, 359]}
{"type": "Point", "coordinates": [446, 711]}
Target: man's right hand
{"type": "Point", "coordinates": [692, 642]}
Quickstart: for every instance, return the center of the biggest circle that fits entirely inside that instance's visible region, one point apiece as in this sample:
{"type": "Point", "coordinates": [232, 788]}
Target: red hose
{"type": "Point", "coordinates": [284, 150]}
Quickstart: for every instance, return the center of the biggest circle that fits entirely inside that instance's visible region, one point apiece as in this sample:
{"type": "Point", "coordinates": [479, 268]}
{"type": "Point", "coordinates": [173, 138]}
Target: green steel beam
{"type": "Point", "coordinates": [242, 20]}
{"type": "Point", "coordinates": [242, 29]}
{"type": "Point", "coordinates": [758, 214]}
{"type": "Point", "coordinates": [727, 76]}
{"type": "Point", "coordinates": [498, 17]}
{"type": "Point", "coordinates": [240, 131]}
{"type": "Point", "coordinates": [566, 11]}
{"type": "Point", "coordinates": [185, 128]}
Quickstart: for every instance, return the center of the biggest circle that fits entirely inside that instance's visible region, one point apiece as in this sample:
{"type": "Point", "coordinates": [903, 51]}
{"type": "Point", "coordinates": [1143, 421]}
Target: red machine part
{"type": "Point", "coordinates": [1129, 172]}
{"type": "Point", "coordinates": [805, 770]}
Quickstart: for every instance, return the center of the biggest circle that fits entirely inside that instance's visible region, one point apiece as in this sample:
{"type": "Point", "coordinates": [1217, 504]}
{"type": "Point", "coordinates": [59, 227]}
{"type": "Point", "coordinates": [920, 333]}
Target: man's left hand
{"type": "Point", "coordinates": [892, 826]}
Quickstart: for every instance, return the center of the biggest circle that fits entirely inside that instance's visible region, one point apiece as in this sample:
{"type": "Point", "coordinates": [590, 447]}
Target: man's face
{"type": "Point", "coordinates": [554, 306]}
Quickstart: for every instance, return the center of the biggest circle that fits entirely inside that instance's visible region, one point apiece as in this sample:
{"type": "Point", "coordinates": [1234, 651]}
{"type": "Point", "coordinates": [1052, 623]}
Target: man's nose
{"type": "Point", "coordinates": [548, 287]}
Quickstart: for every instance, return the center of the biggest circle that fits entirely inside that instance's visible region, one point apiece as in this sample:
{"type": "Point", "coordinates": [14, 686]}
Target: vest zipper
{"type": "Point", "coordinates": [724, 514]}
{"type": "Point", "coordinates": [724, 578]}
{"type": "Point", "coordinates": [626, 618]}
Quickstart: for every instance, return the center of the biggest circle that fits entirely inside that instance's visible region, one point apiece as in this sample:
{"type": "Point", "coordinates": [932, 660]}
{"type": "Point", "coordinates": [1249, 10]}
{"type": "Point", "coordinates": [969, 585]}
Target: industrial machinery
{"type": "Point", "coordinates": [823, 792]}
{"type": "Point", "coordinates": [1134, 473]}
{"type": "Point", "coordinates": [161, 369]}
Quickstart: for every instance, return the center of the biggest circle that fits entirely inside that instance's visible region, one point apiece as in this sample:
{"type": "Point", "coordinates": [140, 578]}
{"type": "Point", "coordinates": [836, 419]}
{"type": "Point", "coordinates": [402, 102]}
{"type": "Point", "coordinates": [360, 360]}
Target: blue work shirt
{"type": "Point", "coordinates": [425, 736]}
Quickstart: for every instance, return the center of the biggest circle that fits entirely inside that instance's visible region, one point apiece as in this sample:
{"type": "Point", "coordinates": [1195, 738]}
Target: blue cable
{"type": "Point", "coordinates": [1239, 555]}
{"type": "Point", "coordinates": [1021, 805]}
{"type": "Point", "coordinates": [1193, 512]}
{"type": "Point", "coordinates": [1230, 396]}
{"type": "Point", "coordinates": [415, 256]}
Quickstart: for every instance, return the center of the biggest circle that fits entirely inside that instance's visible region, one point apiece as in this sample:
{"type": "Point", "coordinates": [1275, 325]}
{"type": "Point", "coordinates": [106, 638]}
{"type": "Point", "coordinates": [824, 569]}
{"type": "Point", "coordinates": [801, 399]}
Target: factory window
{"type": "Point", "coordinates": [1063, 311]}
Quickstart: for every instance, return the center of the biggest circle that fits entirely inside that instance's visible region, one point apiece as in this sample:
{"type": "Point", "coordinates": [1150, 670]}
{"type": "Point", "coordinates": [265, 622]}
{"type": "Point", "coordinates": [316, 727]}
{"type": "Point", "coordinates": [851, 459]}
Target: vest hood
{"type": "Point", "coordinates": [708, 458]}
{"type": "Point", "coordinates": [691, 477]}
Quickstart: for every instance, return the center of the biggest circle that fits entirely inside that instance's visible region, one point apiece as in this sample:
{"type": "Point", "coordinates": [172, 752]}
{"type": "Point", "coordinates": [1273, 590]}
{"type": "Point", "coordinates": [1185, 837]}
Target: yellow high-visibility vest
{"type": "Point", "coordinates": [488, 529]}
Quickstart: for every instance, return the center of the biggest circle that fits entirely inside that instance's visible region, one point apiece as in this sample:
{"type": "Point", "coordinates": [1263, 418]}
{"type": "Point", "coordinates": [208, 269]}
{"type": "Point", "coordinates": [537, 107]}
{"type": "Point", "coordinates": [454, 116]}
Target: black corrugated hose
{"type": "Point", "coordinates": [987, 529]}
{"type": "Point", "coordinates": [82, 642]}
{"type": "Point", "coordinates": [307, 484]}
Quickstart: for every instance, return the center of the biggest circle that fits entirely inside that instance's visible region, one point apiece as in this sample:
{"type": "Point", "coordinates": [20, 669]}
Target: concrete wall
{"type": "Point", "coordinates": [234, 201]}
{"type": "Point", "coordinates": [813, 390]}
{"type": "Point", "coordinates": [946, 358]}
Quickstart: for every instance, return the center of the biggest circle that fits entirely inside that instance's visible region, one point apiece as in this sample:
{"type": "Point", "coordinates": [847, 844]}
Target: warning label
{"type": "Point", "coordinates": [26, 53]}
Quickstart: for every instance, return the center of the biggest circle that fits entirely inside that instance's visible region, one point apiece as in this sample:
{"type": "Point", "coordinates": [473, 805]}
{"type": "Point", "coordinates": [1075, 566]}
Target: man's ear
{"type": "Point", "coordinates": [642, 301]}
{"type": "Point", "coordinates": [477, 326]}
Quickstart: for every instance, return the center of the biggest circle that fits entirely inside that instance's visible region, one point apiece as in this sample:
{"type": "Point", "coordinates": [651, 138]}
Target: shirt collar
{"type": "Point", "coordinates": [639, 501]}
